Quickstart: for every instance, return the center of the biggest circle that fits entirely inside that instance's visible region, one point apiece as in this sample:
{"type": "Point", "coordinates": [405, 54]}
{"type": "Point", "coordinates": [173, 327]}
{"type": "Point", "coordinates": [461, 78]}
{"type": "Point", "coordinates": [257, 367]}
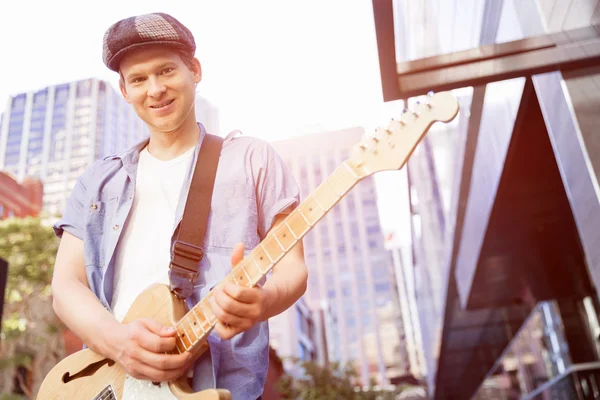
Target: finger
{"type": "Point", "coordinates": [232, 306]}
{"type": "Point", "coordinates": [243, 294]}
{"type": "Point", "coordinates": [229, 319]}
{"type": "Point", "coordinates": [150, 373]}
{"type": "Point", "coordinates": [237, 254]}
{"type": "Point", "coordinates": [157, 328]}
{"type": "Point", "coordinates": [150, 341]}
{"type": "Point", "coordinates": [224, 332]}
{"type": "Point", "coordinates": [165, 362]}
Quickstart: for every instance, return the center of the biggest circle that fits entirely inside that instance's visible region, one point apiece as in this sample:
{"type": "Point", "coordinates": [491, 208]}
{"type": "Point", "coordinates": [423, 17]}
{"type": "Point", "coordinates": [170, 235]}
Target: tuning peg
{"type": "Point", "coordinates": [388, 131]}
{"type": "Point", "coordinates": [405, 111]}
{"type": "Point", "coordinates": [375, 139]}
{"type": "Point", "coordinates": [416, 114]}
{"type": "Point", "coordinates": [430, 93]}
{"type": "Point", "coordinates": [362, 147]}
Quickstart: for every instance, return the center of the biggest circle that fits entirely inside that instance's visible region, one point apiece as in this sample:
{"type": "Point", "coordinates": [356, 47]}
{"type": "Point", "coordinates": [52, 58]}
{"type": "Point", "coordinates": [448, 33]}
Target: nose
{"type": "Point", "coordinates": [156, 88]}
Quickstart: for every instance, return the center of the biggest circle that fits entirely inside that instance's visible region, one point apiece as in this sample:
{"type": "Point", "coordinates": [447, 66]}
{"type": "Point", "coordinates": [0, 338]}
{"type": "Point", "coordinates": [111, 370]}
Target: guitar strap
{"type": "Point", "coordinates": [187, 251]}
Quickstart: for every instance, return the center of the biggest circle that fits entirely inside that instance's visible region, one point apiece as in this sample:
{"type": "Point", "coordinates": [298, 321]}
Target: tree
{"type": "Point", "coordinates": [30, 343]}
{"type": "Point", "coordinates": [328, 383]}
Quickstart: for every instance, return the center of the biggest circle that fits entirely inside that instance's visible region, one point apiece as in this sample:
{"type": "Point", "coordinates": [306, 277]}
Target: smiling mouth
{"type": "Point", "coordinates": [163, 104]}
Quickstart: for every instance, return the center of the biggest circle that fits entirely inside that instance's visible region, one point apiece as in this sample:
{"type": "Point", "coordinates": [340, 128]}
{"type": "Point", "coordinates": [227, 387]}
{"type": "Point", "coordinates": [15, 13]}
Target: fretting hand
{"type": "Point", "coordinates": [237, 308]}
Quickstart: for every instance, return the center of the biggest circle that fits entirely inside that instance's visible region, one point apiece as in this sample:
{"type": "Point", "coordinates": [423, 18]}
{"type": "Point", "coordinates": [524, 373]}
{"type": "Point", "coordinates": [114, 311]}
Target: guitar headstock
{"type": "Point", "coordinates": [389, 148]}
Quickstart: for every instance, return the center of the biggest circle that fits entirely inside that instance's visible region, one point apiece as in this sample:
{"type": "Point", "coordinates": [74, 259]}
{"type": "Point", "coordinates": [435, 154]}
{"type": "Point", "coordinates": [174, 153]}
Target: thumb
{"type": "Point", "coordinates": [157, 328]}
{"type": "Point", "coordinates": [237, 254]}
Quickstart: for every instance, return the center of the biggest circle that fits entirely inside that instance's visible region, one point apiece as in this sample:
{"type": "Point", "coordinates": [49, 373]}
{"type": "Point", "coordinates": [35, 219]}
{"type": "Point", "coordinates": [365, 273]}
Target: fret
{"type": "Point", "coordinates": [272, 248]}
{"type": "Point", "coordinates": [297, 223]}
{"type": "Point", "coordinates": [310, 210]}
{"type": "Point", "coordinates": [201, 317]}
{"type": "Point", "coordinates": [207, 310]}
{"type": "Point", "coordinates": [265, 251]}
{"type": "Point", "coordinates": [330, 185]}
{"type": "Point", "coordinates": [251, 269]}
{"type": "Point", "coordinates": [186, 330]}
{"type": "Point", "coordinates": [290, 229]}
{"type": "Point", "coordinates": [348, 168]}
{"type": "Point", "coordinates": [233, 279]}
{"type": "Point", "coordinates": [319, 204]}
{"type": "Point", "coordinates": [342, 179]}
{"type": "Point", "coordinates": [249, 281]}
{"type": "Point", "coordinates": [240, 276]}
{"type": "Point", "coordinates": [279, 243]}
{"type": "Point", "coordinates": [304, 217]}
{"type": "Point", "coordinates": [182, 335]}
{"type": "Point", "coordinates": [179, 344]}
{"type": "Point", "coordinates": [190, 326]}
{"type": "Point", "coordinates": [285, 236]}
{"type": "Point", "coordinates": [261, 259]}
{"type": "Point", "coordinates": [197, 324]}
{"type": "Point", "coordinates": [325, 196]}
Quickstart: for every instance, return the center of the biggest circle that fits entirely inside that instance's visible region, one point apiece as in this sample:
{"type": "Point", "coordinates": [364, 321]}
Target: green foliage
{"type": "Point", "coordinates": [327, 383]}
{"type": "Point", "coordinates": [12, 397]}
{"type": "Point", "coordinates": [30, 330]}
{"type": "Point", "coordinates": [30, 249]}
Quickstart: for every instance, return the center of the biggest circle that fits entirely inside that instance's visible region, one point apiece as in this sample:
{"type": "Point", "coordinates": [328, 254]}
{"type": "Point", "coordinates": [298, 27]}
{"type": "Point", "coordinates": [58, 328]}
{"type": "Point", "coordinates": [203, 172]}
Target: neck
{"type": "Point", "coordinates": [168, 145]}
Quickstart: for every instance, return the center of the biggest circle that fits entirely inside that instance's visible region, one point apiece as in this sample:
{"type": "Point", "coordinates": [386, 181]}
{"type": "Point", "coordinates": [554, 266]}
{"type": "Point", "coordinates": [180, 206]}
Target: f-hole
{"type": "Point", "coordinates": [87, 371]}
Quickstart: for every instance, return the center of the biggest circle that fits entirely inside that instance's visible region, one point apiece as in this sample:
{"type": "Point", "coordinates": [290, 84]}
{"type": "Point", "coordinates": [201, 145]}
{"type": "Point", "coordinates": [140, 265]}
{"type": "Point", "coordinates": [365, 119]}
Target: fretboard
{"type": "Point", "coordinates": [195, 326]}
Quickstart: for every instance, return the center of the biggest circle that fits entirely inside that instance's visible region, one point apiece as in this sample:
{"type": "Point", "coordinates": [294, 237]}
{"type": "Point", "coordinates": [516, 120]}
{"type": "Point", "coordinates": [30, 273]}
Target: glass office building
{"type": "Point", "coordinates": [350, 268]}
{"type": "Point", "coordinates": [56, 132]}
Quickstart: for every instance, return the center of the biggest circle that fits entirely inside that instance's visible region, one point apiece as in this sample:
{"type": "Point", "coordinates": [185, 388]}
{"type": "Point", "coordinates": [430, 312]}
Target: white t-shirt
{"type": "Point", "coordinates": [143, 253]}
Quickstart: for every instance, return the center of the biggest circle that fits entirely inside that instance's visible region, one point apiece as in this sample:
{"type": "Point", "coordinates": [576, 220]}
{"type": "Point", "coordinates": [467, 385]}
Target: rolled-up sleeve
{"type": "Point", "coordinates": [72, 219]}
{"type": "Point", "coordinates": [276, 189]}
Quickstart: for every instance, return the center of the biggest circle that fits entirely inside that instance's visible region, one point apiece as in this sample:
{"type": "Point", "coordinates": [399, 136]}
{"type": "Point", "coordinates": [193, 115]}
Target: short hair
{"type": "Point", "coordinates": [187, 58]}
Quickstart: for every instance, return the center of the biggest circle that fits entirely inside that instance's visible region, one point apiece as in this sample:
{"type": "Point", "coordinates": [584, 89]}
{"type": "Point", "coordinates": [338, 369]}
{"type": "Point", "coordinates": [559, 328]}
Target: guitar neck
{"type": "Point", "coordinates": [196, 325]}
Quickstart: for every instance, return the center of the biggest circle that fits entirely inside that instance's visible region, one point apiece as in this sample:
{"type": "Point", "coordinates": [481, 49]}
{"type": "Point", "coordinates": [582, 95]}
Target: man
{"type": "Point", "coordinates": [124, 211]}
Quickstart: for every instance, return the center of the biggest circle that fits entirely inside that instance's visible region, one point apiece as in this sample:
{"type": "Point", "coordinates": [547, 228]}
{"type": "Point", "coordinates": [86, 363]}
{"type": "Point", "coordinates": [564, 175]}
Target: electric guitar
{"type": "Point", "coordinates": [86, 375]}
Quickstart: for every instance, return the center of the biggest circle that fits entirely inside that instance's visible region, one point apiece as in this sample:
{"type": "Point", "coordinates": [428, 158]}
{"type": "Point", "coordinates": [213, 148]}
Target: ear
{"type": "Point", "coordinates": [124, 91]}
{"type": "Point", "coordinates": [197, 70]}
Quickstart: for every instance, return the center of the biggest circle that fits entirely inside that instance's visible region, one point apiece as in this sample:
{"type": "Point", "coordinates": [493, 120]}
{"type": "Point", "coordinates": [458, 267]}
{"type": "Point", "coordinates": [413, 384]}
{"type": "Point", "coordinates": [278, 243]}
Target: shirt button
{"type": "Point", "coordinates": [94, 206]}
{"type": "Point", "coordinates": [115, 227]}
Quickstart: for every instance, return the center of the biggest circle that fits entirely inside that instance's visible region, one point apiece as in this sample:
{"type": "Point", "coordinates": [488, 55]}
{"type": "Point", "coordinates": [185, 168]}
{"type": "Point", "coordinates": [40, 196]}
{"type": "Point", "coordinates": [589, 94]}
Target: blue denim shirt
{"type": "Point", "coordinates": [252, 187]}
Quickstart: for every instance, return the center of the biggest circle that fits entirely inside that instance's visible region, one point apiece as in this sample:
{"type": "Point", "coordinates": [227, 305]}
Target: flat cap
{"type": "Point", "coordinates": [142, 30]}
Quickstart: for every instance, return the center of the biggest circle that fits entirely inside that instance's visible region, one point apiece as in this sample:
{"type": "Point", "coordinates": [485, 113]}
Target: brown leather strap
{"type": "Point", "coordinates": [187, 252]}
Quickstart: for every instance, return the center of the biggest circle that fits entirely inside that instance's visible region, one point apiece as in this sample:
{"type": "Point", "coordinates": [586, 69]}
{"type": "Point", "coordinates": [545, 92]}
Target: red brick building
{"type": "Point", "coordinates": [20, 199]}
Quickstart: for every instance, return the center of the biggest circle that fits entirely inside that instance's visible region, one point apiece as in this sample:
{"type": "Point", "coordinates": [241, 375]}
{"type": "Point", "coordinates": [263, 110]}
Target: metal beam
{"type": "Point", "coordinates": [383, 12]}
{"type": "Point", "coordinates": [562, 58]}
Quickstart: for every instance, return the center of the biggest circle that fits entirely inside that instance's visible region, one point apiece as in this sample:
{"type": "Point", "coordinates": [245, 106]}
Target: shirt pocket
{"type": "Point", "coordinates": [97, 227]}
{"type": "Point", "coordinates": [233, 217]}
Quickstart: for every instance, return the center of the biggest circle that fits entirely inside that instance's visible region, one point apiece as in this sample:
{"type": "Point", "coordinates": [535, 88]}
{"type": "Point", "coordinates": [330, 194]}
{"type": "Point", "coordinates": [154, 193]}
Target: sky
{"type": "Point", "coordinates": [273, 68]}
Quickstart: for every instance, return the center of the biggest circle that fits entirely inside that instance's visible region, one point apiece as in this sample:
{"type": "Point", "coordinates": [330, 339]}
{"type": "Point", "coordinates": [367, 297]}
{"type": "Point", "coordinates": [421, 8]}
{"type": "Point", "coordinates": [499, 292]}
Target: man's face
{"type": "Point", "coordinates": [160, 87]}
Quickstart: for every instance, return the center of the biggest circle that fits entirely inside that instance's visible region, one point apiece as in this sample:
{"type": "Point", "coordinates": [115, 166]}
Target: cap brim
{"type": "Point", "coordinates": [115, 60]}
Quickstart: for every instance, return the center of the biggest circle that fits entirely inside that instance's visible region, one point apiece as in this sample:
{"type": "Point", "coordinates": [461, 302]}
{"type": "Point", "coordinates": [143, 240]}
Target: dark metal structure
{"type": "Point", "coordinates": [3, 279]}
{"type": "Point", "coordinates": [525, 222]}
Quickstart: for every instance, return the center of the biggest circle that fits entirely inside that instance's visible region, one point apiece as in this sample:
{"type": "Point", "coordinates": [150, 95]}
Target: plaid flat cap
{"type": "Point", "coordinates": [143, 30]}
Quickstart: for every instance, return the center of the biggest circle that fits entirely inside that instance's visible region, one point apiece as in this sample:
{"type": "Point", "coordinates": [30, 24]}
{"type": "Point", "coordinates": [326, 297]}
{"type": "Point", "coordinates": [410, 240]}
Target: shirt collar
{"type": "Point", "coordinates": [131, 156]}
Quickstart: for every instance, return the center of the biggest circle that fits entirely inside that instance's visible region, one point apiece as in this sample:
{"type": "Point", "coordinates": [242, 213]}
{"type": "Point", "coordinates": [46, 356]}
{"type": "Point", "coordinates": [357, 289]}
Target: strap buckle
{"type": "Point", "coordinates": [183, 270]}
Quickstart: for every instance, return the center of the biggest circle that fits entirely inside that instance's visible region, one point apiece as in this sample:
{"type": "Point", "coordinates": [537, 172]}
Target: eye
{"type": "Point", "coordinates": [168, 70]}
{"type": "Point", "coordinates": [137, 80]}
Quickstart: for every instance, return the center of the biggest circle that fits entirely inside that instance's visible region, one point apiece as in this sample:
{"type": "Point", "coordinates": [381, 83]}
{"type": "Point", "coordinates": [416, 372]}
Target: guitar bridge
{"type": "Point", "coordinates": [108, 393]}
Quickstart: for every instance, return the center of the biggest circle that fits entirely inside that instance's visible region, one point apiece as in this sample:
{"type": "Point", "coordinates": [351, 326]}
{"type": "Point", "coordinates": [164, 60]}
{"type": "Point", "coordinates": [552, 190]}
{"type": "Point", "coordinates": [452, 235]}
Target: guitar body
{"type": "Point", "coordinates": [87, 375]}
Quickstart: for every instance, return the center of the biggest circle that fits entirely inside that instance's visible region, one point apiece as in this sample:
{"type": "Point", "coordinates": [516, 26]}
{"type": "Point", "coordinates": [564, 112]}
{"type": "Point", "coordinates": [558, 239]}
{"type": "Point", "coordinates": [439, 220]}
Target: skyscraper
{"type": "Point", "coordinates": [56, 132]}
{"type": "Point", "coordinates": [348, 264]}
